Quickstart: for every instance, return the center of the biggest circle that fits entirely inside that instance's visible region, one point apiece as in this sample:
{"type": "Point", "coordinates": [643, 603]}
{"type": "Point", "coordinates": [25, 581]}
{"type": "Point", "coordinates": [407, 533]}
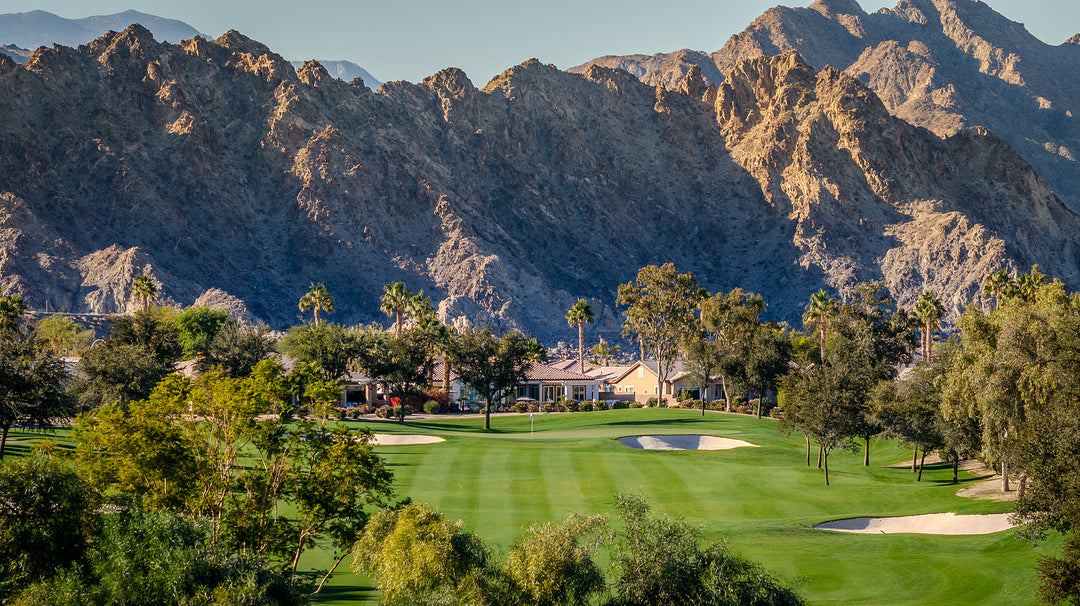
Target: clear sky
{"type": "Point", "coordinates": [412, 39]}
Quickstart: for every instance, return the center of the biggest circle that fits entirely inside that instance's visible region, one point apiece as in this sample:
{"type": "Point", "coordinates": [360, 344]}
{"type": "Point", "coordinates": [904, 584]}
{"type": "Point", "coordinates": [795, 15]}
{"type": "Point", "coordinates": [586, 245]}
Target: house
{"type": "Point", "coordinates": [603, 375]}
{"type": "Point", "coordinates": [638, 383]}
{"type": "Point", "coordinates": [552, 382]}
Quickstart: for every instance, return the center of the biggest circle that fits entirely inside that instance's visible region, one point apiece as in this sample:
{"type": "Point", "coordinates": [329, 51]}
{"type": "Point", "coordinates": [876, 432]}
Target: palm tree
{"type": "Point", "coordinates": [995, 285]}
{"type": "Point", "coordinates": [819, 312]}
{"type": "Point", "coordinates": [144, 290]}
{"type": "Point", "coordinates": [580, 313]}
{"type": "Point", "coordinates": [317, 299]}
{"type": "Point", "coordinates": [604, 352]}
{"type": "Point", "coordinates": [12, 309]}
{"type": "Point", "coordinates": [395, 301]}
{"type": "Point", "coordinates": [928, 311]}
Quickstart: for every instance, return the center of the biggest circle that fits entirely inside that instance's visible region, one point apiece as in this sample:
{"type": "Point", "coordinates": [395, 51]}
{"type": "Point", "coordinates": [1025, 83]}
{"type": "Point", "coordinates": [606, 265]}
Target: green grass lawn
{"type": "Point", "coordinates": [762, 500]}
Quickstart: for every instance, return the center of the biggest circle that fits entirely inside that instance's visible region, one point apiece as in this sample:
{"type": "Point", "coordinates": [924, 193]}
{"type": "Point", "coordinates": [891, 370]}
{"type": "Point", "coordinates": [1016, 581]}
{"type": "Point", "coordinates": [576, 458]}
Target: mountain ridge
{"type": "Point", "coordinates": [941, 64]}
{"type": "Point", "coordinates": [217, 166]}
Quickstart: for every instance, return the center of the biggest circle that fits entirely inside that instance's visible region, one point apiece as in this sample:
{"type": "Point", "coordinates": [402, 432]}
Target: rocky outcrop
{"type": "Point", "coordinates": [235, 180]}
{"type": "Point", "coordinates": [945, 65]}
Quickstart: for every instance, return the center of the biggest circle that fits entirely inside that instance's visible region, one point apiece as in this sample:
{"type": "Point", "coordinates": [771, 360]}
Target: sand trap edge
{"type": "Point", "coordinates": [403, 439]}
{"type": "Point", "coordinates": [931, 523]}
{"type": "Point", "coordinates": [683, 442]}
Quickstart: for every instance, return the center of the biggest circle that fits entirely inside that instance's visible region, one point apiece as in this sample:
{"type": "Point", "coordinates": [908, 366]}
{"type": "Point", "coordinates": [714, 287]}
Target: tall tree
{"type": "Point", "coordinates": [732, 320]}
{"type": "Point", "coordinates": [493, 366]}
{"type": "Point", "coordinates": [395, 301]}
{"type": "Point", "coordinates": [317, 299]}
{"type": "Point", "coordinates": [64, 335]}
{"type": "Point", "coordinates": [197, 327]}
{"type": "Point", "coordinates": [399, 364]}
{"type": "Point", "coordinates": [770, 351]}
{"type": "Point", "coordinates": [331, 346]}
{"type": "Point", "coordinates": [145, 291]}
{"type": "Point", "coordinates": [32, 382]}
{"type": "Point", "coordinates": [578, 315]}
{"type": "Point", "coordinates": [660, 309]}
{"type": "Point", "coordinates": [928, 311]}
{"type": "Point", "coordinates": [703, 358]}
{"type": "Point", "coordinates": [819, 314]}
{"type": "Point", "coordinates": [823, 401]}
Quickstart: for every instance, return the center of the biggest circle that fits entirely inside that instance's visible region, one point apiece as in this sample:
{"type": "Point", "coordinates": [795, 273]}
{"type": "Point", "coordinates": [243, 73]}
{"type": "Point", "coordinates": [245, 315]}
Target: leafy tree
{"type": "Point", "coordinates": [153, 329]}
{"type": "Point", "coordinates": [180, 449]}
{"type": "Point", "coordinates": [579, 314]}
{"type": "Point", "coordinates": [116, 373]}
{"type": "Point", "coordinates": [395, 301]}
{"type": "Point", "coordinates": [658, 561]}
{"type": "Point", "coordinates": [162, 558]}
{"type": "Point", "coordinates": [197, 327]}
{"type": "Point", "coordinates": [493, 366]}
{"type": "Point", "coordinates": [331, 346]}
{"type": "Point", "coordinates": [552, 565]}
{"type": "Point", "coordinates": [145, 291]}
{"type": "Point", "coordinates": [910, 410]}
{"type": "Point", "coordinates": [317, 299]}
{"type": "Point", "coordinates": [12, 310]}
{"type": "Point", "coordinates": [419, 558]}
{"type": "Point", "coordinates": [660, 309]}
{"type": "Point", "coordinates": [731, 320]}
{"type": "Point", "coordinates": [64, 335]}
{"type": "Point", "coordinates": [824, 402]}
{"type": "Point", "coordinates": [31, 386]}
{"type": "Point", "coordinates": [46, 520]}
{"type": "Point", "coordinates": [703, 357]}
{"type": "Point", "coordinates": [767, 359]}
{"type": "Point", "coordinates": [399, 364]}
{"type": "Point", "coordinates": [236, 349]}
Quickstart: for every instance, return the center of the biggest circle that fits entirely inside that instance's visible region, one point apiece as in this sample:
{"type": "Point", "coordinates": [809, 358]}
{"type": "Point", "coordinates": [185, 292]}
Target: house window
{"type": "Point", "coordinates": [629, 389]}
{"type": "Point", "coordinates": [656, 391]}
{"type": "Point", "coordinates": [578, 392]}
{"type": "Point", "coordinates": [641, 372]}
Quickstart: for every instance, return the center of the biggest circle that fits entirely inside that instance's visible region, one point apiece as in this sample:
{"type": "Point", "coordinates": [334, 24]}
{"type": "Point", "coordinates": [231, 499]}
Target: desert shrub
{"type": "Point", "coordinates": [432, 407]}
{"type": "Point", "coordinates": [637, 405]}
{"type": "Point", "coordinates": [585, 407]}
{"type": "Point", "coordinates": [548, 406]}
{"type": "Point", "coordinates": [651, 402]}
{"type": "Point", "coordinates": [571, 405]}
{"type": "Point", "coordinates": [620, 405]}
{"type": "Point", "coordinates": [384, 412]}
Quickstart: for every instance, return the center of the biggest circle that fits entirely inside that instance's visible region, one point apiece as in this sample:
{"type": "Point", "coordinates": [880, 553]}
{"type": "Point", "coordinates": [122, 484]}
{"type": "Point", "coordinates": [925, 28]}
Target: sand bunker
{"type": "Point", "coordinates": [686, 442]}
{"type": "Point", "coordinates": [401, 439]}
{"type": "Point", "coordinates": [932, 523]}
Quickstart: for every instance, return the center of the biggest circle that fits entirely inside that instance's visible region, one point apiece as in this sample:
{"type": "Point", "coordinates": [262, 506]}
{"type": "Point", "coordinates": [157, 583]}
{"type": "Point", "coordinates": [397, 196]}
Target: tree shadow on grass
{"type": "Point", "coordinates": [664, 422]}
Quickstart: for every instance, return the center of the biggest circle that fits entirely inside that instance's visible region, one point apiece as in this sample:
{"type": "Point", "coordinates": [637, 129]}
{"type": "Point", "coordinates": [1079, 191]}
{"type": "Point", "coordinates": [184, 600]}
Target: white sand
{"type": "Point", "coordinates": [931, 523]}
{"type": "Point", "coordinates": [401, 439]}
{"type": "Point", "coordinates": [686, 442]}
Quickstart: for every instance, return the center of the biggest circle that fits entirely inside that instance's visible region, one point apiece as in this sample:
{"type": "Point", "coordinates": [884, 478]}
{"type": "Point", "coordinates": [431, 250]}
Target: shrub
{"type": "Point", "coordinates": [586, 407]}
{"type": "Point", "coordinates": [651, 402]}
{"type": "Point", "coordinates": [363, 409]}
{"type": "Point", "coordinates": [571, 405]}
{"type": "Point", "coordinates": [548, 407]}
{"type": "Point", "coordinates": [620, 405]}
{"type": "Point", "coordinates": [342, 413]}
{"type": "Point", "coordinates": [431, 407]}
{"type": "Point", "coordinates": [385, 412]}
{"type": "Point", "coordinates": [637, 405]}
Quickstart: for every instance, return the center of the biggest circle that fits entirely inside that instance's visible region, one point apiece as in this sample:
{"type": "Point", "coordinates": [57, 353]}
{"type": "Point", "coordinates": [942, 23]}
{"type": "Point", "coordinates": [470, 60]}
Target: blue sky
{"type": "Point", "coordinates": [412, 39]}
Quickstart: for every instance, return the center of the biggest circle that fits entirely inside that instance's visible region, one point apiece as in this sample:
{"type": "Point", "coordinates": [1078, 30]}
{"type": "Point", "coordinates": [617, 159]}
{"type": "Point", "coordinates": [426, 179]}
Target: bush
{"type": "Point", "coordinates": [432, 407]}
{"type": "Point", "coordinates": [586, 407]}
{"type": "Point", "coordinates": [637, 405]}
{"type": "Point", "coordinates": [620, 405]}
{"type": "Point", "coordinates": [571, 405]}
{"type": "Point", "coordinates": [342, 413]}
{"type": "Point", "coordinates": [651, 402]}
{"type": "Point", "coordinates": [385, 412]}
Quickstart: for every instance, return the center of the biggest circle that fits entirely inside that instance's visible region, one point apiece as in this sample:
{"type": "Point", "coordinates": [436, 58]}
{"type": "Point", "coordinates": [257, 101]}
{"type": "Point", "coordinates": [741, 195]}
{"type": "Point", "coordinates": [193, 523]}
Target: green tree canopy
{"type": "Point", "coordinates": [64, 335]}
{"type": "Point", "coordinates": [317, 299]}
{"type": "Point", "coordinates": [32, 386]}
{"type": "Point", "coordinates": [145, 291]}
{"type": "Point", "coordinates": [197, 327]}
{"type": "Point", "coordinates": [331, 346]}
{"type": "Point", "coordinates": [493, 366]}
{"type": "Point", "coordinates": [661, 305]}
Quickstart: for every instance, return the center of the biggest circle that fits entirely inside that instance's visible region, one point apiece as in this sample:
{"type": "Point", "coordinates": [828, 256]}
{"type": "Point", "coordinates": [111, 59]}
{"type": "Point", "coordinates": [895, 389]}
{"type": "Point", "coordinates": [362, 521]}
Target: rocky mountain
{"type": "Point", "coordinates": [345, 71]}
{"type": "Point", "coordinates": [22, 31]}
{"type": "Point", "coordinates": [945, 65]}
{"type": "Point", "coordinates": [215, 166]}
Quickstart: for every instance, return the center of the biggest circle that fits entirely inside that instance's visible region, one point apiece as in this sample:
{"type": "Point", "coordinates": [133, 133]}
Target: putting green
{"type": "Point", "coordinates": [764, 501]}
